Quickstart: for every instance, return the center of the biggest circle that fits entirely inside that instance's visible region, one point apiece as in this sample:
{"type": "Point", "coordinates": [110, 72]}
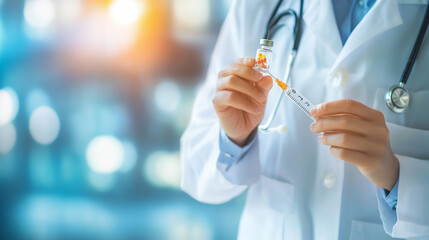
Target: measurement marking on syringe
{"type": "Point", "coordinates": [298, 102]}
{"type": "Point", "coordinates": [295, 96]}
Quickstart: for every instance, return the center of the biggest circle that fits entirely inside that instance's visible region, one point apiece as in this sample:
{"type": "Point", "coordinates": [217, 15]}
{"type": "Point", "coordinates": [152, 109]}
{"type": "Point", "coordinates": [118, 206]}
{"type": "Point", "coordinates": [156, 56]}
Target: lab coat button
{"type": "Point", "coordinates": [339, 78]}
{"type": "Point", "coordinates": [329, 180]}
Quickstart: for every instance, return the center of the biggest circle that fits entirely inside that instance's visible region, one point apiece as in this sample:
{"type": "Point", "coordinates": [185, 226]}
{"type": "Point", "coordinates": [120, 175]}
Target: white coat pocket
{"type": "Point", "coordinates": [268, 202]}
{"type": "Point", "coordinates": [272, 193]}
{"type": "Point", "coordinates": [409, 142]}
{"type": "Point", "coordinates": [368, 231]}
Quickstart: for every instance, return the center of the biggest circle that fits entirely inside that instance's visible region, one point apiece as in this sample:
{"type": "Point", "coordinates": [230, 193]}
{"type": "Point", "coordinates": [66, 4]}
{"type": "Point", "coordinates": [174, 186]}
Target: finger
{"type": "Point", "coordinates": [238, 84]}
{"type": "Point", "coordinates": [265, 84]}
{"type": "Point", "coordinates": [348, 141]}
{"type": "Point", "coordinates": [354, 157]}
{"type": "Point", "coordinates": [224, 99]}
{"type": "Point", "coordinates": [344, 123]}
{"type": "Point", "coordinates": [246, 61]}
{"type": "Point", "coordinates": [242, 71]}
{"type": "Point", "coordinates": [347, 106]}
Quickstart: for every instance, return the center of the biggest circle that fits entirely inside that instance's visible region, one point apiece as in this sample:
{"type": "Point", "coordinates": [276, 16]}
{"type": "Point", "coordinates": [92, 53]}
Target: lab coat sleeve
{"type": "Point", "coordinates": [412, 209]}
{"type": "Point", "coordinates": [239, 165]}
{"type": "Point", "coordinates": [387, 207]}
{"type": "Point", "coordinates": [392, 197]}
{"type": "Point", "coordinates": [200, 143]}
{"type": "Point", "coordinates": [231, 152]}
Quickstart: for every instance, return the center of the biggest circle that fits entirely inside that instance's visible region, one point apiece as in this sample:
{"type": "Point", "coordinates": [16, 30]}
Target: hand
{"type": "Point", "coordinates": [359, 135]}
{"type": "Point", "coordinates": [240, 99]}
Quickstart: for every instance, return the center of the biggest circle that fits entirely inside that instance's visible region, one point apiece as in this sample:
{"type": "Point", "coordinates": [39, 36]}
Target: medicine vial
{"type": "Point", "coordinates": [264, 55]}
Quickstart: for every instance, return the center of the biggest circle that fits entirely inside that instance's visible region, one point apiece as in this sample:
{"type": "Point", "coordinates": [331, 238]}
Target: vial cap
{"type": "Point", "coordinates": [266, 42]}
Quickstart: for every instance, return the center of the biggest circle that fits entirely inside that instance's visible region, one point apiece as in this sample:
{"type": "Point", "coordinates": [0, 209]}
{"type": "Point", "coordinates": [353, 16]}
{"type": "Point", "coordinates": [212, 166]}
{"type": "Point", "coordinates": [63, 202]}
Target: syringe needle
{"type": "Point", "coordinates": [280, 83]}
{"type": "Point", "coordinates": [271, 75]}
{"type": "Point", "coordinates": [295, 96]}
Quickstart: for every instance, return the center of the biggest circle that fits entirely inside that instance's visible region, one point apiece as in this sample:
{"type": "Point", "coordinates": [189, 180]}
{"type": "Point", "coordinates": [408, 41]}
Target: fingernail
{"type": "Point", "coordinates": [313, 125]}
{"type": "Point", "coordinates": [314, 109]}
{"type": "Point", "coordinates": [320, 137]}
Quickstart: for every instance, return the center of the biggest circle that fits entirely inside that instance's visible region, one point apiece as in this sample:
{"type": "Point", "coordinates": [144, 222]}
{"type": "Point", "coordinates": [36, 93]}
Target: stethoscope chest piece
{"type": "Point", "coordinates": [397, 99]}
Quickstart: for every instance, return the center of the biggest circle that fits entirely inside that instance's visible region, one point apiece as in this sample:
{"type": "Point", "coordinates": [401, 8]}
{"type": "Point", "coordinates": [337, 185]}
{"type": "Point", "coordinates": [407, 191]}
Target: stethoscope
{"type": "Point", "coordinates": [397, 97]}
{"type": "Point", "coordinates": [297, 32]}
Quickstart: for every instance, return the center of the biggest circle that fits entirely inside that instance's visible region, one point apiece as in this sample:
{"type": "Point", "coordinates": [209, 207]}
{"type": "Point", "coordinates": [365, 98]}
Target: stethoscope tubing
{"type": "Point", "coordinates": [397, 97]}
{"type": "Point", "coordinates": [392, 103]}
{"type": "Point", "coordinates": [267, 124]}
{"type": "Point", "coordinates": [416, 48]}
{"type": "Point", "coordinates": [297, 39]}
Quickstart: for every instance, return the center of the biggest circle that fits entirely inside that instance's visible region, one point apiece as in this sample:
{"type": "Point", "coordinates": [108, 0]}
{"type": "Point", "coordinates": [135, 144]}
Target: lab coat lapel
{"type": "Point", "coordinates": [383, 16]}
{"type": "Point", "coordinates": [319, 18]}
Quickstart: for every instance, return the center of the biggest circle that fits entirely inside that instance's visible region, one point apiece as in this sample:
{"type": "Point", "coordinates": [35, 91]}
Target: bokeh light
{"type": "Point", "coordinates": [101, 35]}
{"type": "Point", "coordinates": [105, 154]}
{"type": "Point", "coordinates": [126, 11]}
{"type": "Point", "coordinates": [15, 101]}
{"type": "Point", "coordinates": [39, 13]}
{"type": "Point", "coordinates": [44, 125]}
{"type": "Point", "coordinates": [191, 14]}
{"type": "Point", "coordinates": [42, 217]}
{"type": "Point", "coordinates": [7, 138]}
{"type": "Point", "coordinates": [101, 182]}
{"type": "Point", "coordinates": [98, 94]}
{"type": "Point", "coordinates": [187, 230]}
{"type": "Point", "coordinates": [8, 106]}
{"type": "Point", "coordinates": [162, 169]}
{"type": "Point", "coordinates": [130, 156]}
{"type": "Point", "coordinates": [167, 96]}
{"type": "Point", "coordinates": [68, 10]}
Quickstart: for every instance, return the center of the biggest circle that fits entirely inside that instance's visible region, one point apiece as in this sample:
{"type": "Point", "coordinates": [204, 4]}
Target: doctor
{"type": "Point", "coordinates": [360, 171]}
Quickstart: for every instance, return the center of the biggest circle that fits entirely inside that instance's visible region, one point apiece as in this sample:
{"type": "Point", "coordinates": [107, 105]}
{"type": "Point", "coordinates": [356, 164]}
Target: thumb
{"type": "Point", "coordinates": [266, 83]}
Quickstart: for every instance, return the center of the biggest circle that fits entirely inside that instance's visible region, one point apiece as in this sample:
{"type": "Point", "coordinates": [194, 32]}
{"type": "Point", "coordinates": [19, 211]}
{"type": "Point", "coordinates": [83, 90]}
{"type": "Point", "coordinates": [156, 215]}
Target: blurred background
{"type": "Point", "coordinates": [94, 96]}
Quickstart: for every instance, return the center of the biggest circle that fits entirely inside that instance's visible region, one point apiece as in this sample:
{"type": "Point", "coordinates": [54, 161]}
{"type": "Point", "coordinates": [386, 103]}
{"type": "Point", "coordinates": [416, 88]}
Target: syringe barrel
{"type": "Point", "coordinates": [299, 99]}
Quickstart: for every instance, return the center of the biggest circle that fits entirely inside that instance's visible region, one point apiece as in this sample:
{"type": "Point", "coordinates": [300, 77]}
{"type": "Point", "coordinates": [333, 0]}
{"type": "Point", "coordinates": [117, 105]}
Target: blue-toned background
{"type": "Point", "coordinates": [94, 97]}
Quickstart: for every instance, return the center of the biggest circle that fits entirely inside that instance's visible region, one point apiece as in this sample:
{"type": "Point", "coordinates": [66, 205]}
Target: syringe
{"type": "Point", "coordinates": [294, 95]}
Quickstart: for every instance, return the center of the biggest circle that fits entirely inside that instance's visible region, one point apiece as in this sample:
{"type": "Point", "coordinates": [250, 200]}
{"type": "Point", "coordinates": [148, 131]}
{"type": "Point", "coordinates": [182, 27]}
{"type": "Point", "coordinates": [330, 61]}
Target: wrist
{"type": "Point", "coordinates": [395, 176]}
{"type": "Point", "coordinates": [392, 174]}
{"type": "Point", "coordinates": [243, 141]}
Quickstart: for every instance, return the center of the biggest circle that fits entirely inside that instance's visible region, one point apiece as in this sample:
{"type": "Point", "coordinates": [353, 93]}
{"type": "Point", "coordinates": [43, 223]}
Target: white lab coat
{"type": "Point", "coordinates": [298, 189]}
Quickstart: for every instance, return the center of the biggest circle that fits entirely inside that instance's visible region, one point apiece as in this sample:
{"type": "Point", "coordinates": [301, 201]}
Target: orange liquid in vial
{"type": "Point", "coordinates": [262, 60]}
